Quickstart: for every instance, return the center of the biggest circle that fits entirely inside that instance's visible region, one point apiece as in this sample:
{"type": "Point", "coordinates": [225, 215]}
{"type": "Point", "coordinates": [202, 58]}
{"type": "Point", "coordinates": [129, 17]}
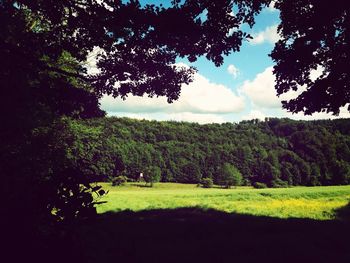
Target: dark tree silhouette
{"type": "Point", "coordinates": [43, 45]}
{"type": "Point", "coordinates": [314, 34]}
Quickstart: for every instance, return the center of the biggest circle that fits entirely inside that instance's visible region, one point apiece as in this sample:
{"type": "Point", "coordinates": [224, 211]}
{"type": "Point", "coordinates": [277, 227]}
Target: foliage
{"type": "Point", "coordinates": [259, 185]}
{"type": "Point", "coordinates": [314, 39]}
{"type": "Point", "coordinates": [206, 182]}
{"type": "Point", "coordinates": [278, 183]}
{"type": "Point", "coordinates": [142, 43]}
{"type": "Point", "coordinates": [229, 175]}
{"type": "Point", "coordinates": [190, 173]}
{"type": "Point", "coordinates": [152, 175]}
{"type": "Point", "coordinates": [119, 180]}
{"type": "Point", "coordinates": [45, 48]}
{"type": "Point", "coordinates": [275, 152]}
{"type": "Point", "coordinates": [69, 192]}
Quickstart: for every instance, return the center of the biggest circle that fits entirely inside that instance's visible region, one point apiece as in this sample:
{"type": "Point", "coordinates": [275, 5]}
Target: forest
{"type": "Point", "coordinates": [55, 145]}
{"type": "Point", "coordinates": [275, 152]}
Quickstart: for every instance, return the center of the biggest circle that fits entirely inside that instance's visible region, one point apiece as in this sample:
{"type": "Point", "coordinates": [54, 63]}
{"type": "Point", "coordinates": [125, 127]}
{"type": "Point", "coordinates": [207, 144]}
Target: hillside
{"type": "Point", "coordinates": [277, 152]}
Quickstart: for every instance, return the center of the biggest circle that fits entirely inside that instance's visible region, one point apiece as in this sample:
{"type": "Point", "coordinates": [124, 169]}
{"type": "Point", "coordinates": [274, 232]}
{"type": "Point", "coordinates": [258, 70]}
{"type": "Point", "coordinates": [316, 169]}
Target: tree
{"type": "Point", "coordinates": [314, 36]}
{"type": "Point", "coordinates": [206, 182]}
{"type": "Point", "coordinates": [119, 180]}
{"type": "Point", "coordinates": [229, 176]}
{"type": "Point", "coordinates": [45, 43]}
{"type": "Point", "coordinates": [190, 173]}
{"type": "Point", "coordinates": [310, 153]}
{"type": "Point", "coordinates": [341, 174]}
{"type": "Point", "coordinates": [148, 39]}
{"type": "Point", "coordinates": [152, 175]}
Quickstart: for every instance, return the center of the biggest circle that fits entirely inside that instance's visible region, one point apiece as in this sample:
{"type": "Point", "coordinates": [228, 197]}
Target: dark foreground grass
{"type": "Point", "coordinates": [195, 235]}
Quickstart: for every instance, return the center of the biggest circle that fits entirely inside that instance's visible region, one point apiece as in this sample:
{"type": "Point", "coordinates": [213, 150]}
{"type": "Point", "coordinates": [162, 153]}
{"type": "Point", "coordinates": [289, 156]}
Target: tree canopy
{"type": "Point", "coordinates": [315, 36]}
{"type": "Point", "coordinates": [275, 152]}
{"type": "Point", "coordinates": [139, 43]}
{"type": "Point", "coordinates": [139, 46]}
{"type": "Point", "coordinates": [229, 175]}
{"type": "Point", "coordinates": [44, 47]}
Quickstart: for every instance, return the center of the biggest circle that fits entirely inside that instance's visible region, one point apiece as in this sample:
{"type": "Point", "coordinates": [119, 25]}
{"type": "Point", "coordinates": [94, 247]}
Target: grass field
{"type": "Point", "coordinates": [297, 202]}
{"type": "Point", "coordinates": [184, 223]}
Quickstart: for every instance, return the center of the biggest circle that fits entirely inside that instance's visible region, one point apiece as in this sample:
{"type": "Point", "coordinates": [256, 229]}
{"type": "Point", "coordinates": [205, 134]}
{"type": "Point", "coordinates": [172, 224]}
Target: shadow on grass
{"type": "Point", "coordinates": [343, 213]}
{"type": "Point", "coordinates": [143, 185]}
{"type": "Point", "coordinates": [197, 235]}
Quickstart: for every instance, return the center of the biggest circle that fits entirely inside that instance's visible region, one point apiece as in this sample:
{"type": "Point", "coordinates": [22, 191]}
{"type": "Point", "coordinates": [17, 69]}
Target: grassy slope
{"type": "Point", "coordinates": [298, 202]}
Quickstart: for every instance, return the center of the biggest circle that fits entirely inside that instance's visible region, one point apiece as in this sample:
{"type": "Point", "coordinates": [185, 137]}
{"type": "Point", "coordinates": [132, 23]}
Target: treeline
{"type": "Point", "coordinates": [275, 152]}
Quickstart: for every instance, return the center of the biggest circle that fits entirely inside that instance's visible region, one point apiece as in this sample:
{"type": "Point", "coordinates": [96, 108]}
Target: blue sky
{"type": "Point", "coordinates": [242, 88]}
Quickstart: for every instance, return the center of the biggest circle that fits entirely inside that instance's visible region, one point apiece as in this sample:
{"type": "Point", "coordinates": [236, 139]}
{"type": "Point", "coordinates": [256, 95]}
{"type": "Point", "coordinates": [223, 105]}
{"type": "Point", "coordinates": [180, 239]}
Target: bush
{"type": "Point", "coordinates": [259, 185]}
{"type": "Point", "coordinates": [278, 183]}
{"type": "Point", "coordinates": [206, 183]}
{"type": "Point", "coordinates": [229, 176]}
{"type": "Point", "coordinates": [119, 180]}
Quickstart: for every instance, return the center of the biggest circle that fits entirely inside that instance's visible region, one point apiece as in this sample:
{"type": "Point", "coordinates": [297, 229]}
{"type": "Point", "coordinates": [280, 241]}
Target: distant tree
{"type": "Point", "coordinates": [167, 176]}
{"type": "Point", "coordinates": [259, 185]}
{"type": "Point", "coordinates": [119, 180]}
{"type": "Point", "coordinates": [229, 176]}
{"type": "Point", "coordinates": [268, 172]}
{"type": "Point", "coordinates": [278, 183]}
{"type": "Point", "coordinates": [206, 182]}
{"type": "Point", "coordinates": [244, 160]}
{"type": "Point", "coordinates": [119, 165]}
{"type": "Point", "coordinates": [341, 172]}
{"type": "Point", "coordinates": [314, 36]}
{"type": "Point", "coordinates": [315, 174]}
{"type": "Point", "coordinates": [151, 175]}
{"type": "Point", "coordinates": [299, 157]}
{"type": "Point", "coordinates": [190, 173]}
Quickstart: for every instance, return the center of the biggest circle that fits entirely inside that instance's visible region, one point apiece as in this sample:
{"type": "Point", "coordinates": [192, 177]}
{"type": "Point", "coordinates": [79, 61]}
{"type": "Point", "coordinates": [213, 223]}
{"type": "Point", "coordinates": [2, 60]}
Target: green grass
{"type": "Point", "coordinates": [299, 202]}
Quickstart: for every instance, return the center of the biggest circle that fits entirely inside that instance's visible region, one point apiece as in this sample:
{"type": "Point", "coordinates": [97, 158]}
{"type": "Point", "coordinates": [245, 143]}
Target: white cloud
{"type": "Point", "coordinates": [133, 104]}
{"type": "Point", "coordinates": [91, 61]}
{"type": "Point", "coordinates": [199, 118]}
{"type": "Point", "coordinates": [344, 113]}
{"type": "Point", "coordinates": [315, 73]}
{"type": "Point", "coordinates": [269, 35]}
{"type": "Point", "coordinates": [262, 94]}
{"type": "Point", "coordinates": [199, 97]}
{"type": "Point", "coordinates": [182, 116]}
{"type": "Point", "coordinates": [182, 65]}
{"type": "Point", "coordinates": [203, 96]}
{"type": "Point", "coordinates": [271, 7]}
{"type": "Point", "coordinates": [261, 91]}
{"type": "Point", "coordinates": [254, 114]}
{"type": "Point", "coordinates": [233, 70]}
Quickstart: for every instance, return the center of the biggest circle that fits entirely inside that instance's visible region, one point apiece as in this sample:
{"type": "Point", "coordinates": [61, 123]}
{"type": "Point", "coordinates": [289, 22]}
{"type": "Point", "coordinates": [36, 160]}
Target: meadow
{"type": "Point", "coordinates": [319, 203]}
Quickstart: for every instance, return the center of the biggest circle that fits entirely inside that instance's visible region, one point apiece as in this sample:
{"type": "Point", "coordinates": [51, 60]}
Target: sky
{"type": "Point", "coordinates": [241, 89]}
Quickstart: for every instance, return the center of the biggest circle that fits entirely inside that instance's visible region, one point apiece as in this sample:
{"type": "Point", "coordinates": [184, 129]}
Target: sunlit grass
{"type": "Point", "coordinates": [299, 202]}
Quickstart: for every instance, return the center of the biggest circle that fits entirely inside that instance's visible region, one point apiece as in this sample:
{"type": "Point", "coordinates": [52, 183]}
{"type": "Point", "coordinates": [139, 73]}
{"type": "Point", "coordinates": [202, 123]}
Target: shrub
{"type": "Point", "coordinates": [278, 183]}
{"type": "Point", "coordinates": [259, 185]}
{"type": "Point", "coordinates": [119, 180]}
{"type": "Point", "coordinates": [229, 176]}
{"type": "Point", "coordinates": [206, 182]}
